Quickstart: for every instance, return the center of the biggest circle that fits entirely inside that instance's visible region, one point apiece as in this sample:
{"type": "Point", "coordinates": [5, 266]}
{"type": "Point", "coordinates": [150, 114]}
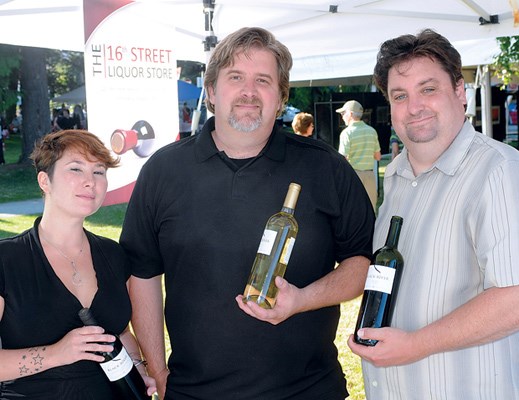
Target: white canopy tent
{"type": "Point", "coordinates": [328, 41]}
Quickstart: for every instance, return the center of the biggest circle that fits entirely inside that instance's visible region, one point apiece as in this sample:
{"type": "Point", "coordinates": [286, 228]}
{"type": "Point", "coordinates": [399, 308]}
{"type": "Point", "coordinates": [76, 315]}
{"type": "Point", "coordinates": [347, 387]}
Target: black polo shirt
{"type": "Point", "coordinates": [198, 217]}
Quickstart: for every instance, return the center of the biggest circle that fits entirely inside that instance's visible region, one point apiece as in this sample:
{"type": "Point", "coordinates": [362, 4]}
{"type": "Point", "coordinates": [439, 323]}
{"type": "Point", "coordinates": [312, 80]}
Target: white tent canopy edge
{"type": "Point", "coordinates": [324, 43]}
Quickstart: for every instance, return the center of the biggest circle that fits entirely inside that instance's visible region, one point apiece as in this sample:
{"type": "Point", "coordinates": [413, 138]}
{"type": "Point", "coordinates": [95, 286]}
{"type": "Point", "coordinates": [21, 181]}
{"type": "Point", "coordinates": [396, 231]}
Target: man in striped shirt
{"type": "Point", "coordinates": [455, 328]}
{"type": "Point", "coordinates": [359, 144]}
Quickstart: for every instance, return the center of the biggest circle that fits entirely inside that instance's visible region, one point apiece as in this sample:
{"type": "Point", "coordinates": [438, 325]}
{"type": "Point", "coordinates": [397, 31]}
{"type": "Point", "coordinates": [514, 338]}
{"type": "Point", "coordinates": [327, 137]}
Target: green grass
{"type": "Point", "coordinates": [18, 181]}
{"type": "Point", "coordinates": [20, 184]}
{"type": "Point", "coordinates": [14, 225]}
{"type": "Point", "coordinates": [13, 148]}
{"type": "Point", "coordinates": [107, 221]}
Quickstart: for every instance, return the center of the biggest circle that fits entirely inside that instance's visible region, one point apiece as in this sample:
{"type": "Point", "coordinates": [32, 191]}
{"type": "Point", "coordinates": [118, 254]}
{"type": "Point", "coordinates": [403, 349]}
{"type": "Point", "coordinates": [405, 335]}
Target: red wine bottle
{"type": "Point", "coordinates": [381, 288]}
{"type": "Point", "coordinates": [141, 139]}
{"type": "Point", "coordinates": [126, 382]}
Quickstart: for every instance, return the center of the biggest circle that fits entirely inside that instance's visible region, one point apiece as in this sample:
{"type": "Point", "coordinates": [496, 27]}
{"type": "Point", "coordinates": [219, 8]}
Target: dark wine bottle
{"type": "Point", "coordinates": [382, 282]}
{"type": "Point", "coordinates": [273, 253]}
{"type": "Point", "coordinates": [125, 380]}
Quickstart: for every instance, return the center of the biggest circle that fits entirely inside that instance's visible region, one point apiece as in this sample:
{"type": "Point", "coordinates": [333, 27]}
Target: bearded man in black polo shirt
{"type": "Point", "coordinates": [197, 214]}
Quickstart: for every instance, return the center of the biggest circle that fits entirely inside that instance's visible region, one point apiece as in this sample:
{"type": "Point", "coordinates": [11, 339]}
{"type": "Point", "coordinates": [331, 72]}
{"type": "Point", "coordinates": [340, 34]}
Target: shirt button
{"type": "Point", "coordinates": [414, 184]}
{"type": "Point", "coordinates": [374, 383]}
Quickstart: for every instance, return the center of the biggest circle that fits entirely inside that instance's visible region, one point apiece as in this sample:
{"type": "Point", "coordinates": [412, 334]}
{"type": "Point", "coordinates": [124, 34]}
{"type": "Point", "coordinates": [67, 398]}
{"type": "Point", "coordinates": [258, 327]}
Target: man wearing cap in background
{"type": "Point", "coordinates": [359, 144]}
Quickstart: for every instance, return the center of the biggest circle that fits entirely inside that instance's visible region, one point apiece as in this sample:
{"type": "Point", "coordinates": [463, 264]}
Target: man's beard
{"type": "Point", "coordinates": [246, 123]}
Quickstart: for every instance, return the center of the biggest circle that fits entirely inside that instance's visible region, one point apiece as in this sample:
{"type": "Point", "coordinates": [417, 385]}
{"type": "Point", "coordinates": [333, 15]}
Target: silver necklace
{"type": "Point", "coordinates": [77, 280]}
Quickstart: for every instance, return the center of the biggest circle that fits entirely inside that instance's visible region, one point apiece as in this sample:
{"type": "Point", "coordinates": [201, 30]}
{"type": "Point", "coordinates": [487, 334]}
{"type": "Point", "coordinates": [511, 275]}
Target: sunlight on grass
{"type": "Point", "coordinates": [107, 221]}
{"type": "Point", "coordinates": [11, 226]}
{"type": "Point", "coordinates": [350, 362]}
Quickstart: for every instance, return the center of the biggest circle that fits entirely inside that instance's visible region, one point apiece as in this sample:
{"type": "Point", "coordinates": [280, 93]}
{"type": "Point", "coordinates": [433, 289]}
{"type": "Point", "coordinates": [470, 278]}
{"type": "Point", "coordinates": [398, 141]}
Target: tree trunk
{"type": "Point", "coordinates": [35, 95]}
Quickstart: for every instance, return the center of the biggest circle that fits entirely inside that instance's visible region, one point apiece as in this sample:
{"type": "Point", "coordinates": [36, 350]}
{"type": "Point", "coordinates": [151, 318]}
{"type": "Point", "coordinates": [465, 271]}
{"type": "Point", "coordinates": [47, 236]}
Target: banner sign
{"type": "Point", "coordinates": [131, 85]}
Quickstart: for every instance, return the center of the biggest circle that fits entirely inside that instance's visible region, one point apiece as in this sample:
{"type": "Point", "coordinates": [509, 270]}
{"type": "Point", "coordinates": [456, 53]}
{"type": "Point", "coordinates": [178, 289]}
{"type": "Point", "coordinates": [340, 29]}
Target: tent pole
{"type": "Point", "coordinates": [209, 44]}
{"type": "Point", "coordinates": [486, 102]}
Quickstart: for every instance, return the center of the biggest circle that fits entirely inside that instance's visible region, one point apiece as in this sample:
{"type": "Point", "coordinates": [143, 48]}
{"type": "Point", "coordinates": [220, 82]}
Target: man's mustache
{"type": "Point", "coordinates": [253, 102]}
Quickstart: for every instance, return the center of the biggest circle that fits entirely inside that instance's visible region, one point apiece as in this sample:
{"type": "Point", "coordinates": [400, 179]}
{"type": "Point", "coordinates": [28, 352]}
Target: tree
{"type": "Point", "coordinates": [35, 104]}
{"type": "Point", "coordinates": [506, 63]}
{"type": "Point", "coordinates": [190, 70]}
{"type": "Point", "coordinates": [65, 71]}
{"type": "Point", "coordinates": [9, 68]}
{"type": "Point", "coordinates": [35, 76]}
{"type": "Point", "coordinates": [305, 97]}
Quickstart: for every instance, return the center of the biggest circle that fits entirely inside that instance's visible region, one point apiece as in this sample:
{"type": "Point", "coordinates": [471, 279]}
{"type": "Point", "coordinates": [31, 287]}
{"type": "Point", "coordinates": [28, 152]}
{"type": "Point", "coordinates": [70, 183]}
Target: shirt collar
{"type": "Point", "coordinates": [206, 148]}
{"type": "Point", "coordinates": [451, 159]}
{"type": "Point", "coordinates": [448, 162]}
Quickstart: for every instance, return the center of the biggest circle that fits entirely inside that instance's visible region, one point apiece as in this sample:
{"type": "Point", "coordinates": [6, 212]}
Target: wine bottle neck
{"type": "Point", "coordinates": [394, 232]}
{"type": "Point", "coordinates": [86, 317]}
{"type": "Point", "coordinates": [288, 210]}
{"type": "Point", "coordinates": [291, 198]}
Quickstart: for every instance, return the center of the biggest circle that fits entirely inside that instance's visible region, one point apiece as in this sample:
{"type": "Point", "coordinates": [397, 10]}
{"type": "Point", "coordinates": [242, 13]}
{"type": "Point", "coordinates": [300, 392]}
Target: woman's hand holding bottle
{"type": "Point", "coordinates": [80, 344]}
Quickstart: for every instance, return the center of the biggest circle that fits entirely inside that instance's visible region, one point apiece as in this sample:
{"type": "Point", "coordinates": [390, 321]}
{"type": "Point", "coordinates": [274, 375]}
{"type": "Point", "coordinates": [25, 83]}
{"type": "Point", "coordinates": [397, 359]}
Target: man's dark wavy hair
{"type": "Point", "coordinates": [404, 48]}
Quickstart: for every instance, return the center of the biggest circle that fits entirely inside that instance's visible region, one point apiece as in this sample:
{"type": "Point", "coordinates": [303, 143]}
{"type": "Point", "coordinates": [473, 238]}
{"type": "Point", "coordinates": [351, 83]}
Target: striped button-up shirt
{"type": "Point", "coordinates": [459, 237]}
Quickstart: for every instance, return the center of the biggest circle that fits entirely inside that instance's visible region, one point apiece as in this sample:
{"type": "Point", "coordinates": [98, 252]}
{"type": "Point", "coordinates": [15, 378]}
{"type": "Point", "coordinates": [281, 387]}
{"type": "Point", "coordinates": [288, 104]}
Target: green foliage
{"type": "Point", "coordinates": [301, 97]}
{"type": "Point", "coordinates": [354, 89]}
{"type": "Point", "coordinates": [65, 71]}
{"type": "Point", "coordinates": [506, 63]}
{"type": "Point", "coordinates": [190, 70]}
{"type": "Point", "coordinates": [9, 65]}
{"type": "Point", "coordinates": [305, 97]}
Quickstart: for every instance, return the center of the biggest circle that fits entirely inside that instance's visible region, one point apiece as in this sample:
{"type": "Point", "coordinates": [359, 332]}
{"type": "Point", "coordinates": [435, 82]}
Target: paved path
{"type": "Point", "coordinates": [26, 207]}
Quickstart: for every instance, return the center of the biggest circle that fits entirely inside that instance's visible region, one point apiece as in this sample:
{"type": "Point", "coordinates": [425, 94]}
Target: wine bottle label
{"type": "Point", "coordinates": [287, 251]}
{"type": "Point", "coordinates": [119, 367]}
{"type": "Point", "coordinates": [380, 279]}
{"type": "Point", "coordinates": [267, 242]}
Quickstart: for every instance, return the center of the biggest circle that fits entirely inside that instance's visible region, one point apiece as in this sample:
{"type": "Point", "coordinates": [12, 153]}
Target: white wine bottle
{"type": "Point", "coordinates": [381, 288]}
{"type": "Point", "coordinates": [126, 382]}
{"type": "Point", "coordinates": [273, 253]}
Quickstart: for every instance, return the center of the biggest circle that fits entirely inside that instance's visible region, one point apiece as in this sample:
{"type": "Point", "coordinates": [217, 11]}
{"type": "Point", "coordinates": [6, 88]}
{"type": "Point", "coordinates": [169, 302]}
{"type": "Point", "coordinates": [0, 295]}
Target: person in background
{"type": "Point", "coordinates": [54, 118]}
{"type": "Point", "coordinates": [16, 124]}
{"type": "Point", "coordinates": [303, 124]}
{"type": "Point", "coordinates": [395, 144]}
{"type": "Point", "coordinates": [64, 121]}
{"type": "Point", "coordinates": [79, 117]}
{"type": "Point", "coordinates": [197, 215]}
{"type": "Point", "coordinates": [185, 122]}
{"type": "Point", "coordinates": [51, 271]}
{"type": "Point", "coordinates": [359, 144]}
{"type": "Point", "coordinates": [455, 328]}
